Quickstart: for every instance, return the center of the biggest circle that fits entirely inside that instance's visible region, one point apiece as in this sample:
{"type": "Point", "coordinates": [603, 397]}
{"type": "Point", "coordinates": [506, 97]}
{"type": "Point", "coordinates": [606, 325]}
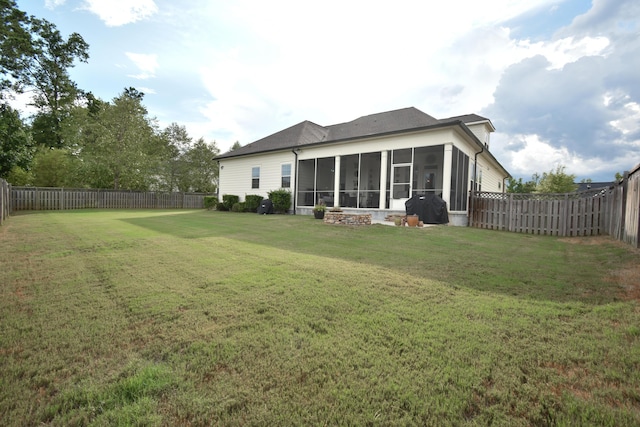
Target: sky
{"type": "Point", "coordinates": [559, 80]}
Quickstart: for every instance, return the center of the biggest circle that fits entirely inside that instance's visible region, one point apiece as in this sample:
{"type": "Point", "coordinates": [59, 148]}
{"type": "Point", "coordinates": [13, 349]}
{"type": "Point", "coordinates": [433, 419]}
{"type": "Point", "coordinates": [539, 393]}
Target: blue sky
{"type": "Point", "coordinates": [558, 79]}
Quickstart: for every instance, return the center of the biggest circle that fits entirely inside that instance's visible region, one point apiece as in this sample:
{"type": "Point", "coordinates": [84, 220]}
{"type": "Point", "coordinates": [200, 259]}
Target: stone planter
{"type": "Point", "coordinates": [347, 218]}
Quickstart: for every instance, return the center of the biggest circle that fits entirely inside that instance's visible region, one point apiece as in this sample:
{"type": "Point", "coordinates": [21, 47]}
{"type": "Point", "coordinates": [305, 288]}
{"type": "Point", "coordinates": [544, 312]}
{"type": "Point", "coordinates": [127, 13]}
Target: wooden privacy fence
{"type": "Point", "coordinates": [614, 211]}
{"type": "Point", "coordinates": [575, 214]}
{"type": "Point", "coordinates": [39, 198]}
{"type": "Point", "coordinates": [5, 194]}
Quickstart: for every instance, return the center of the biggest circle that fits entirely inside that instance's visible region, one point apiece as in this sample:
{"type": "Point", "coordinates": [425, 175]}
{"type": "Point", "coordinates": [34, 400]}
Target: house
{"type": "Point", "coordinates": [372, 164]}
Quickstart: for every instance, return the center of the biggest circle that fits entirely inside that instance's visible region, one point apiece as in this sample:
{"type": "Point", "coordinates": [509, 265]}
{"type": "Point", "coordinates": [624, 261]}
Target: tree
{"type": "Point", "coordinates": [15, 145]}
{"type": "Point", "coordinates": [15, 45]}
{"type": "Point", "coordinates": [201, 172]}
{"type": "Point", "coordinates": [121, 148]}
{"type": "Point", "coordinates": [518, 186]}
{"type": "Point", "coordinates": [46, 71]}
{"type": "Point", "coordinates": [177, 142]}
{"type": "Point", "coordinates": [53, 168]}
{"type": "Point", "coordinates": [235, 146]}
{"type": "Point", "coordinates": [556, 181]}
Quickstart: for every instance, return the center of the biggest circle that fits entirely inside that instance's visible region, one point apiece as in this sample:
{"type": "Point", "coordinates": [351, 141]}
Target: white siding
{"type": "Point", "coordinates": [235, 174]}
{"type": "Point", "coordinates": [392, 142]}
{"type": "Point", "coordinates": [482, 131]}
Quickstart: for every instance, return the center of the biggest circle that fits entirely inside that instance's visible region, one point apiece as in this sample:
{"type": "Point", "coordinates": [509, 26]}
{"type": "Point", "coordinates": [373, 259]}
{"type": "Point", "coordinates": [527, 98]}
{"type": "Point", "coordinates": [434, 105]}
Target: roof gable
{"type": "Point", "coordinates": [301, 134]}
{"type": "Point", "coordinates": [380, 123]}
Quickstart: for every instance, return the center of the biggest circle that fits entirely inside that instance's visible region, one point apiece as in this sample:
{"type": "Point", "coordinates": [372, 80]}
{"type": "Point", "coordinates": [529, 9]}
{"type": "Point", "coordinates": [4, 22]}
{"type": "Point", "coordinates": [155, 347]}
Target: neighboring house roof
{"type": "Point", "coordinates": [307, 133]}
{"type": "Point", "coordinates": [584, 186]}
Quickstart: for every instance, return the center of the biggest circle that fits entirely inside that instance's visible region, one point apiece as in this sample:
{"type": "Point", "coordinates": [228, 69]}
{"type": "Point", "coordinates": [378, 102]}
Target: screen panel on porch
{"type": "Point", "coordinates": [360, 180]}
{"type": "Point", "coordinates": [459, 180]}
{"type": "Point", "coordinates": [306, 182]}
{"type": "Point", "coordinates": [428, 170]}
{"type": "Point", "coordinates": [316, 181]}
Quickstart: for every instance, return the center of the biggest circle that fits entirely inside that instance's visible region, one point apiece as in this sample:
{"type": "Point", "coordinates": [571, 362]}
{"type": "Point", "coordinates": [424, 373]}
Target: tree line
{"type": "Point", "coordinates": [554, 181]}
{"type": "Point", "coordinates": [75, 139]}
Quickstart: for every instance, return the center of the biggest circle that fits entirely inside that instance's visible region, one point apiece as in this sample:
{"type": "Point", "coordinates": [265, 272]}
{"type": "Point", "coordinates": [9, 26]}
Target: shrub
{"type": "Point", "coordinates": [251, 202]}
{"type": "Point", "coordinates": [210, 202]}
{"type": "Point", "coordinates": [281, 200]}
{"type": "Point", "coordinates": [238, 207]}
{"type": "Point", "coordinates": [229, 200]}
{"type": "Point", "coordinates": [221, 207]}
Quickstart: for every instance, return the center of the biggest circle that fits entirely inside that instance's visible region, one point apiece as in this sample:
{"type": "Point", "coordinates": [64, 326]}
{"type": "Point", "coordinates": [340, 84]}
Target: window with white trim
{"type": "Point", "coordinates": [286, 176]}
{"type": "Point", "coordinates": [255, 177]}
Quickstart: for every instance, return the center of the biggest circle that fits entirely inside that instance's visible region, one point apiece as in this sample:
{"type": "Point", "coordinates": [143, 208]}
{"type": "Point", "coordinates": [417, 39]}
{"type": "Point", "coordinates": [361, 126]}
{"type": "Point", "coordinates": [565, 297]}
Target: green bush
{"type": "Point", "coordinates": [229, 200]}
{"type": "Point", "coordinates": [221, 207]}
{"type": "Point", "coordinates": [210, 202]}
{"type": "Point", "coordinates": [238, 207]}
{"type": "Point", "coordinates": [251, 202]}
{"type": "Point", "coordinates": [281, 200]}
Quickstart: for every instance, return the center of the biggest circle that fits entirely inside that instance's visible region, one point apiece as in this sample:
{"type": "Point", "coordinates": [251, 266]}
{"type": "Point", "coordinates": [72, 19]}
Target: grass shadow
{"type": "Point", "coordinates": [519, 265]}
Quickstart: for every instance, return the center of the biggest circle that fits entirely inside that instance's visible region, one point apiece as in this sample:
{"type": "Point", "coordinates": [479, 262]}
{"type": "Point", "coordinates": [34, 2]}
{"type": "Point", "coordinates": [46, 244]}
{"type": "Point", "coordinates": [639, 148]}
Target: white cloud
{"type": "Point", "coordinates": [120, 12]}
{"type": "Point", "coordinates": [528, 154]}
{"type": "Point", "coordinates": [146, 63]}
{"type": "Point", "coordinates": [52, 4]}
{"type": "Point", "coordinates": [147, 90]}
{"type": "Point", "coordinates": [368, 57]}
{"type": "Point", "coordinates": [564, 51]}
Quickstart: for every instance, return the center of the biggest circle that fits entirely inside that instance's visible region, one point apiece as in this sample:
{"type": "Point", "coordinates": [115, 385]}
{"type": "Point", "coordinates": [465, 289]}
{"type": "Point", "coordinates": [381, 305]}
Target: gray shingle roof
{"type": "Point", "coordinates": [307, 132]}
{"type": "Point", "coordinates": [374, 124]}
{"type": "Point", "coordinates": [301, 134]}
{"type": "Point", "coordinates": [468, 119]}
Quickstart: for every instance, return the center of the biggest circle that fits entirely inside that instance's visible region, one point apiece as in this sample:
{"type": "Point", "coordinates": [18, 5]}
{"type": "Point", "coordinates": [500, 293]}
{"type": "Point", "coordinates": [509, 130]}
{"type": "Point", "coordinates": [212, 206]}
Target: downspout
{"type": "Point", "coordinates": [295, 179]}
{"type": "Point", "coordinates": [218, 184]}
{"type": "Point", "coordinates": [475, 168]}
{"type": "Point", "coordinates": [475, 185]}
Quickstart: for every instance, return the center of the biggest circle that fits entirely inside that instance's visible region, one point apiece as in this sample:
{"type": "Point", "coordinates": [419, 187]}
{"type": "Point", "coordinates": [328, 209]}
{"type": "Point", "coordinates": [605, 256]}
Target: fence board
{"type": "Point", "coordinates": [5, 200]}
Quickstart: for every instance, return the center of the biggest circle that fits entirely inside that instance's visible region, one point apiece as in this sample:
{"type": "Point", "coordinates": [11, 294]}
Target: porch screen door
{"type": "Point", "coordinates": [401, 186]}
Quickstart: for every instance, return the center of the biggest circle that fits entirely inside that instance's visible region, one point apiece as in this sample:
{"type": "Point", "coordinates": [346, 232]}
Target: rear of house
{"type": "Point", "coordinates": [373, 164]}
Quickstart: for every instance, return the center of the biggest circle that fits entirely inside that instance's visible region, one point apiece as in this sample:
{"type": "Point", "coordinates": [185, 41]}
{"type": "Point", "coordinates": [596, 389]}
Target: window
{"type": "Point", "coordinates": [286, 176]}
{"type": "Point", "coordinates": [255, 177]}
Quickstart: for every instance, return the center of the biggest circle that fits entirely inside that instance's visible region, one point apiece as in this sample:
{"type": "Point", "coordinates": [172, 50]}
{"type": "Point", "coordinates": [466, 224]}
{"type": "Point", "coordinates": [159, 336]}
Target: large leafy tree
{"type": "Point", "coordinates": [122, 149]}
{"type": "Point", "coordinates": [36, 56]}
{"type": "Point", "coordinates": [47, 72]}
{"type": "Point", "coordinates": [177, 142]}
{"type": "Point", "coordinates": [54, 167]}
{"type": "Point", "coordinates": [16, 149]}
{"type": "Point", "coordinates": [15, 45]}
{"type": "Point", "coordinates": [201, 172]}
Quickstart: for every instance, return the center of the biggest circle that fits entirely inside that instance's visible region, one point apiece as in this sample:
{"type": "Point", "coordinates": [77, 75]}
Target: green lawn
{"type": "Point", "coordinates": [216, 318]}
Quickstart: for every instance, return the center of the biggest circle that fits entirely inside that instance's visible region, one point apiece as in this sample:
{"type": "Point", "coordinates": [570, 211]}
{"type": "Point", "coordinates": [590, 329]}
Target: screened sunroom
{"type": "Point", "coordinates": [383, 180]}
